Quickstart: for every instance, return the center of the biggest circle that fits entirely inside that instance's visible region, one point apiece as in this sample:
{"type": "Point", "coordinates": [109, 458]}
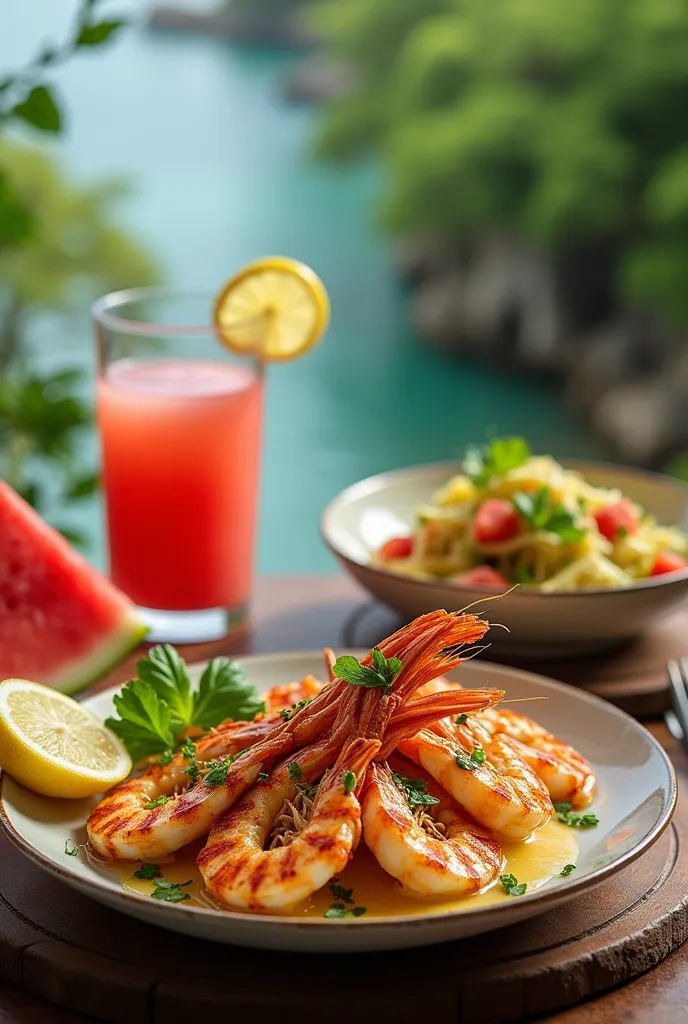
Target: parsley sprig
{"type": "Point", "coordinates": [415, 791]}
{"type": "Point", "coordinates": [541, 513]}
{"type": "Point", "coordinates": [157, 707]}
{"type": "Point", "coordinates": [148, 871]}
{"type": "Point", "coordinates": [563, 812]}
{"type": "Point", "coordinates": [287, 713]}
{"type": "Point", "coordinates": [170, 892]}
{"type": "Point", "coordinates": [383, 672]}
{"type": "Point", "coordinates": [511, 885]}
{"type": "Point", "coordinates": [469, 762]}
{"type": "Point", "coordinates": [339, 909]}
{"type": "Point", "coordinates": [567, 869]}
{"type": "Point", "coordinates": [482, 462]}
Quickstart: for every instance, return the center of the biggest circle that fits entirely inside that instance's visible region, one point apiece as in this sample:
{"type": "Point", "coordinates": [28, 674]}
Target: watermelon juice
{"type": "Point", "coordinates": [181, 447]}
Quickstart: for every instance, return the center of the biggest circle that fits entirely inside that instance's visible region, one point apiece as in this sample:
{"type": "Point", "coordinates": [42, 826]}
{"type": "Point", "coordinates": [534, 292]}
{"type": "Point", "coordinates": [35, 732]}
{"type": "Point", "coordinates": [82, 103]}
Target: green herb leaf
{"type": "Point", "coordinates": [170, 892]}
{"type": "Point", "coordinates": [193, 770]}
{"type": "Point", "coordinates": [512, 887]}
{"type": "Point", "coordinates": [148, 871]}
{"type": "Point", "coordinates": [415, 791]}
{"type": "Point", "coordinates": [310, 792]}
{"type": "Point", "coordinates": [225, 692]}
{"type": "Point", "coordinates": [74, 850]}
{"type": "Point", "coordinates": [152, 804]}
{"type": "Point", "coordinates": [165, 670]}
{"type": "Point", "coordinates": [349, 780]}
{"type": "Point", "coordinates": [541, 513]}
{"type": "Point", "coordinates": [95, 35]}
{"type": "Point", "coordinates": [358, 911]}
{"type": "Point", "coordinates": [383, 673]}
{"type": "Point", "coordinates": [461, 719]}
{"type": "Point", "coordinates": [524, 576]}
{"type": "Point", "coordinates": [262, 776]}
{"type": "Point", "coordinates": [217, 775]}
{"type": "Point", "coordinates": [166, 758]}
{"type": "Point", "coordinates": [145, 722]}
{"type": "Point", "coordinates": [481, 463]}
{"type": "Point", "coordinates": [294, 771]}
{"type": "Point", "coordinates": [340, 893]}
{"type": "Point", "coordinates": [39, 109]}
{"type": "Point", "coordinates": [563, 812]}
{"type": "Point", "coordinates": [469, 762]}
{"type": "Point", "coordinates": [287, 713]}
{"type": "Point", "coordinates": [337, 910]}
{"type": "Point", "coordinates": [567, 869]}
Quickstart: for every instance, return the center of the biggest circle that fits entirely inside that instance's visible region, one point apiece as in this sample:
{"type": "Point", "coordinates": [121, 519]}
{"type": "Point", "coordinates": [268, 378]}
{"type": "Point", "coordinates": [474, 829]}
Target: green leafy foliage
{"type": "Point", "coordinates": [157, 707]}
{"type": "Point", "coordinates": [383, 672]}
{"type": "Point", "coordinates": [560, 123]}
{"type": "Point", "coordinates": [170, 892]}
{"type": "Point", "coordinates": [147, 871]}
{"type": "Point", "coordinates": [349, 781]}
{"type": "Point", "coordinates": [415, 791]}
{"type": "Point", "coordinates": [469, 762]}
{"type": "Point", "coordinates": [482, 462]}
{"type": "Point", "coordinates": [566, 817]}
{"type": "Point", "coordinates": [567, 869]}
{"type": "Point", "coordinates": [511, 885]}
{"type": "Point", "coordinates": [541, 513]}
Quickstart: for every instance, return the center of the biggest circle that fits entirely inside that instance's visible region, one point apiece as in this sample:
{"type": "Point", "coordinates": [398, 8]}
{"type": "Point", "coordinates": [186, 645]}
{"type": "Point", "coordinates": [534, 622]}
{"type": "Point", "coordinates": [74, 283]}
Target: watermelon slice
{"type": "Point", "coordinates": [61, 622]}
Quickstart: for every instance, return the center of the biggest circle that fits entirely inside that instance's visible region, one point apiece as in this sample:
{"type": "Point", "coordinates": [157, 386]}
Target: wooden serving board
{"type": "Point", "coordinates": [634, 676]}
{"type": "Point", "coordinates": [88, 959]}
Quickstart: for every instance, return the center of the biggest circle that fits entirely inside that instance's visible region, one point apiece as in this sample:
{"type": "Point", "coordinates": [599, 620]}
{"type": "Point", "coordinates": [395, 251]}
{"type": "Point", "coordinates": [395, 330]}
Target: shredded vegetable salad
{"type": "Point", "coordinates": [513, 517]}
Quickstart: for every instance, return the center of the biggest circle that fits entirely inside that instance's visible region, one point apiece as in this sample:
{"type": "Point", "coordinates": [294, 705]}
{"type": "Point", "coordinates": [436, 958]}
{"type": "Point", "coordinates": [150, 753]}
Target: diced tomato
{"type": "Point", "coordinates": [495, 520]}
{"type": "Point", "coordinates": [614, 518]}
{"type": "Point", "coordinates": [668, 561]}
{"type": "Point", "coordinates": [482, 576]}
{"type": "Point", "coordinates": [397, 547]}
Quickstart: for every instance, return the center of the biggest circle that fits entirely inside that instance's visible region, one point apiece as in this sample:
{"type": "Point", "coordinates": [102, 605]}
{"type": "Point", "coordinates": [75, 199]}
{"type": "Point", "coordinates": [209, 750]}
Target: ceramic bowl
{"type": "Point", "coordinates": [365, 515]}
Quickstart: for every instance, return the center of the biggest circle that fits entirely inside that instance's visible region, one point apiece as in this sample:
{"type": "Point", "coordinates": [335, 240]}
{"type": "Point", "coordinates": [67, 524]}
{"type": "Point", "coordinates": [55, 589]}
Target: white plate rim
{"type": "Point", "coordinates": [569, 888]}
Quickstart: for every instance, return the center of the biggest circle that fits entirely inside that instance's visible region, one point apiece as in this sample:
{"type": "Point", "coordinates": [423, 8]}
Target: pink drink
{"type": "Point", "coordinates": [181, 448]}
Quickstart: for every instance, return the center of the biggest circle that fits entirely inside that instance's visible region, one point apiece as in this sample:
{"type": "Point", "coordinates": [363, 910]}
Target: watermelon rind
{"type": "Point", "coordinates": [105, 655]}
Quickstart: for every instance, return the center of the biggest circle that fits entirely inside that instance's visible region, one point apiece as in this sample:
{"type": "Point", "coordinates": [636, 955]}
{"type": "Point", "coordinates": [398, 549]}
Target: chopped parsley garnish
{"type": "Point", "coordinates": [262, 776]}
{"type": "Point", "coordinates": [541, 513]}
{"type": "Point", "coordinates": [189, 754]}
{"type": "Point", "coordinates": [567, 869]}
{"type": "Point", "coordinates": [358, 911]}
{"type": "Point", "coordinates": [482, 462]}
{"type": "Point", "coordinates": [349, 780]}
{"type": "Point", "coordinates": [563, 812]}
{"type": "Point", "coordinates": [217, 773]}
{"type": "Point", "coordinates": [287, 713]}
{"type": "Point", "coordinates": [622, 532]}
{"type": "Point", "coordinates": [461, 719]}
{"type": "Point", "coordinates": [74, 850]}
{"type": "Point", "coordinates": [415, 791]}
{"type": "Point", "coordinates": [309, 792]}
{"type": "Point", "coordinates": [340, 893]}
{"type": "Point", "coordinates": [152, 804]}
{"type": "Point", "coordinates": [469, 762]}
{"type": "Point", "coordinates": [512, 887]}
{"type": "Point", "coordinates": [166, 758]}
{"type": "Point", "coordinates": [148, 871]}
{"type": "Point", "coordinates": [157, 707]}
{"type": "Point", "coordinates": [170, 892]}
{"type": "Point", "coordinates": [383, 672]}
{"type": "Point", "coordinates": [336, 910]}
{"type": "Point", "coordinates": [294, 771]}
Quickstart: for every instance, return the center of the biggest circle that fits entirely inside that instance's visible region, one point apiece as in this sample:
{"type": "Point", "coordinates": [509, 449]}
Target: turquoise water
{"type": "Point", "coordinates": [221, 176]}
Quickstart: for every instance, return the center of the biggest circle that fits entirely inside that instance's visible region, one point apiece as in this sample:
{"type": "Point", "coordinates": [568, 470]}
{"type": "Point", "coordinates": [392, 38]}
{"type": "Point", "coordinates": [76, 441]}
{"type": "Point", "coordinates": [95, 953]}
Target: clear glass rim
{"type": "Point", "coordinates": [102, 307]}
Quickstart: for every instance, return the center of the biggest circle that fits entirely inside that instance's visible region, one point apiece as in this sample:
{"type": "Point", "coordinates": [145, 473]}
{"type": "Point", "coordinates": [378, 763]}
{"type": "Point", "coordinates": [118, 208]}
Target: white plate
{"type": "Point", "coordinates": [637, 793]}
{"type": "Point", "coordinates": [361, 518]}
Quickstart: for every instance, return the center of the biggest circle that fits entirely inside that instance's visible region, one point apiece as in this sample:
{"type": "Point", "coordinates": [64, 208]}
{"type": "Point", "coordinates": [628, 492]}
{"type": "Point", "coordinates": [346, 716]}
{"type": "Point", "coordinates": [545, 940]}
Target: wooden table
{"type": "Point", "coordinates": [310, 612]}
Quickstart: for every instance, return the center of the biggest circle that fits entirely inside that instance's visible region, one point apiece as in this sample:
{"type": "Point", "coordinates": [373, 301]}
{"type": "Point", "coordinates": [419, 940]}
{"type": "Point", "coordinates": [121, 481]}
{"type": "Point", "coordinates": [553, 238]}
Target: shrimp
{"type": "Point", "coordinates": [157, 812]}
{"type": "Point", "coordinates": [564, 771]}
{"type": "Point", "coordinates": [567, 774]}
{"type": "Point", "coordinates": [237, 869]}
{"type": "Point", "coordinates": [451, 857]}
{"type": "Point", "coordinates": [497, 788]}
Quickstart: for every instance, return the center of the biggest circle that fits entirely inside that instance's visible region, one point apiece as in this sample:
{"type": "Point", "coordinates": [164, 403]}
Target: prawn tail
{"type": "Point", "coordinates": [423, 711]}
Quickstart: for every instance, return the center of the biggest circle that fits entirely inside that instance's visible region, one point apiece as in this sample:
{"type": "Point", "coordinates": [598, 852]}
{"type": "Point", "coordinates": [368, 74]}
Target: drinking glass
{"type": "Point", "coordinates": [180, 421]}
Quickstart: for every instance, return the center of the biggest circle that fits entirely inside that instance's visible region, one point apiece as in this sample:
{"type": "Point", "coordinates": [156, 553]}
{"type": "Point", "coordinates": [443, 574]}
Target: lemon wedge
{"type": "Point", "coordinates": [276, 308]}
{"type": "Point", "coordinates": [54, 746]}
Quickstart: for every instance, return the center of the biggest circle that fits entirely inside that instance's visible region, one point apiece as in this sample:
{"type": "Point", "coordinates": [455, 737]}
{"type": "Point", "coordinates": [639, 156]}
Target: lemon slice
{"type": "Point", "coordinates": [54, 746]}
{"type": "Point", "coordinates": [275, 308]}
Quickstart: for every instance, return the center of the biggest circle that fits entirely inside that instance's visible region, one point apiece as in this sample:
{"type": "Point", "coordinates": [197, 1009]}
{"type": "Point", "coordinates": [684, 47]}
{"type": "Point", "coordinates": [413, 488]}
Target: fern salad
{"type": "Point", "coordinates": [511, 517]}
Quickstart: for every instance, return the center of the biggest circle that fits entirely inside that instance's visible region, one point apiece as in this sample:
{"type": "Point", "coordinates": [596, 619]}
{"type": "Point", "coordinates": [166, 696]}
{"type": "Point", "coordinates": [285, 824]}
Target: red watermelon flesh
{"type": "Point", "coordinates": [61, 621]}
